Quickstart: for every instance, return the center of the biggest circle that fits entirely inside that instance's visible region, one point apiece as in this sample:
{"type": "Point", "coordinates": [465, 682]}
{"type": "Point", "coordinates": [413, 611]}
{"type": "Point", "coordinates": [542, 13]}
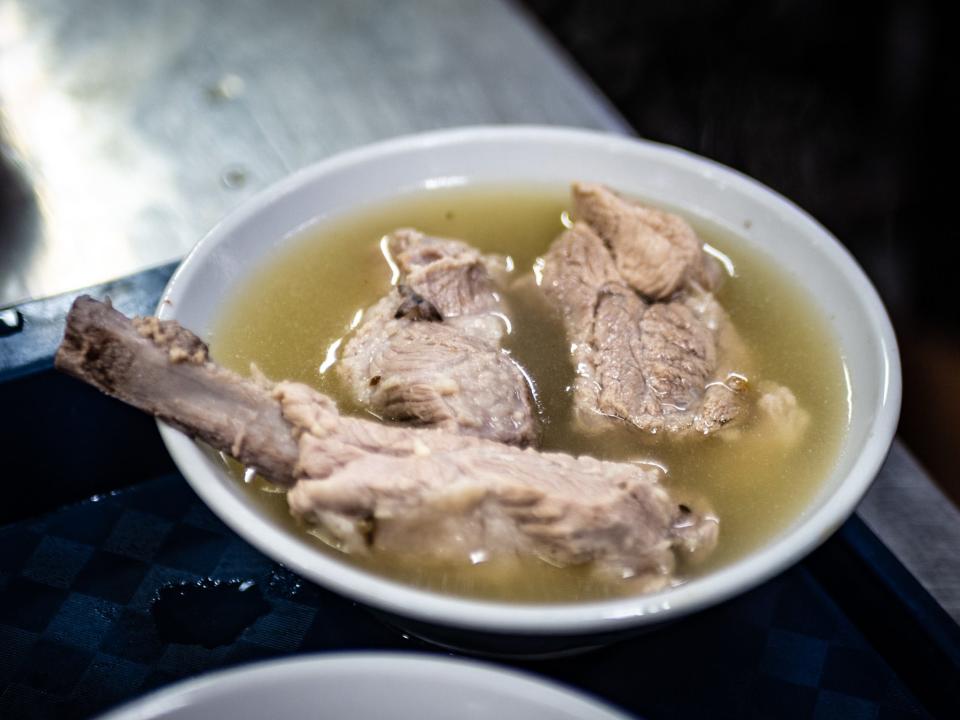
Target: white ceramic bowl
{"type": "Point", "coordinates": [365, 686]}
{"type": "Point", "coordinates": [552, 155]}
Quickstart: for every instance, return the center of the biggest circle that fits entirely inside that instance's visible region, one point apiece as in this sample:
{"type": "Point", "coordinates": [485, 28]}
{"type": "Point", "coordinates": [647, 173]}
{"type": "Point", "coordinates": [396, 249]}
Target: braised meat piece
{"type": "Point", "coordinates": [656, 252]}
{"type": "Point", "coordinates": [429, 352]}
{"type": "Point", "coordinates": [369, 486]}
{"type": "Point", "coordinates": [655, 365]}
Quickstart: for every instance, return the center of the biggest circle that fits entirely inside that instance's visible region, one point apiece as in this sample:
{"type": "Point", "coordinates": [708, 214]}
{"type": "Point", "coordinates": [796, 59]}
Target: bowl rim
{"type": "Point", "coordinates": [481, 675]}
{"type": "Point", "coordinates": [575, 618]}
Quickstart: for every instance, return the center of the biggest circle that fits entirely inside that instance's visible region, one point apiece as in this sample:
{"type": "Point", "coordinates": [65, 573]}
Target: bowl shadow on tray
{"type": "Point", "coordinates": [500, 646]}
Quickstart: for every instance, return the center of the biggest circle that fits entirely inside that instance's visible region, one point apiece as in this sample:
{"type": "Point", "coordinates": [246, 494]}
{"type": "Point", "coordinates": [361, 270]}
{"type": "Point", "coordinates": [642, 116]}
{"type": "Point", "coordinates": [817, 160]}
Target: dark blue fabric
{"type": "Point", "coordinates": [77, 633]}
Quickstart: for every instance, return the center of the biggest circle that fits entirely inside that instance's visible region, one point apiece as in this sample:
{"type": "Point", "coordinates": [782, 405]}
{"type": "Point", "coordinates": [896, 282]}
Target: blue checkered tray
{"type": "Point", "coordinates": [105, 598]}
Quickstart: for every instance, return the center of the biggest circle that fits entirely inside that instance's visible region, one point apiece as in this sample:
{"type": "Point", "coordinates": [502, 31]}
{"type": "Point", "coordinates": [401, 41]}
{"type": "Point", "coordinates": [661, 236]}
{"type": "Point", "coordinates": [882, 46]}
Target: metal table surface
{"type": "Point", "coordinates": [128, 129]}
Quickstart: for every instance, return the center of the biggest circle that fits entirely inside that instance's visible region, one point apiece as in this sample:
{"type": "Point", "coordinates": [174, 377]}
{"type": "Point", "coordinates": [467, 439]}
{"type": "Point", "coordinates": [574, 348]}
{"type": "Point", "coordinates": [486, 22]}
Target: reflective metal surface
{"type": "Point", "coordinates": [918, 524]}
{"type": "Point", "coordinates": [129, 128]}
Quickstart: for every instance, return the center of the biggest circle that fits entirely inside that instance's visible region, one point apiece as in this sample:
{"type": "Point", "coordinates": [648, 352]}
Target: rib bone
{"type": "Point", "coordinates": [163, 369]}
{"type": "Point", "coordinates": [372, 486]}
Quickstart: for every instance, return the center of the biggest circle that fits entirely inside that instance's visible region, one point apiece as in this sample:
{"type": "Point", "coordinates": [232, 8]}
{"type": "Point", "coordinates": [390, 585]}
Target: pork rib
{"type": "Point", "coordinates": [369, 486]}
{"type": "Point", "coordinates": [165, 370]}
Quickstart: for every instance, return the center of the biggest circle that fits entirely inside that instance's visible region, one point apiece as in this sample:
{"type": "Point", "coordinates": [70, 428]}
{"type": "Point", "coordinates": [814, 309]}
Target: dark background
{"type": "Point", "coordinates": [848, 109]}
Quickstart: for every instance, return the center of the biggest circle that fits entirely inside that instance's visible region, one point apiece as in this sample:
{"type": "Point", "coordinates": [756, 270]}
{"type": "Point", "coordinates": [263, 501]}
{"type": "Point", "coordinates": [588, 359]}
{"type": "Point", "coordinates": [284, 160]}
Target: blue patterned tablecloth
{"type": "Point", "coordinates": [82, 629]}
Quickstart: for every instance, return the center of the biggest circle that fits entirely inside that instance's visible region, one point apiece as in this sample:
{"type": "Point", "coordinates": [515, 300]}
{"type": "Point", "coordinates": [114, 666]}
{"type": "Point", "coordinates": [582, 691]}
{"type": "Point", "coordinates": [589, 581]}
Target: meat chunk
{"type": "Point", "coordinates": [451, 274]}
{"type": "Point", "coordinates": [783, 420]}
{"type": "Point", "coordinates": [451, 507]}
{"type": "Point", "coordinates": [429, 352]}
{"type": "Point", "coordinates": [371, 486]}
{"type": "Point", "coordinates": [452, 499]}
{"type": "Point", "coordinates": [329, 441]}
{"type": "Point", "coordinates": [164, 369]}
{"type": "Point", "coordinates": [655, 365]}
{"type": "Point", "coordinates": [655, 252]}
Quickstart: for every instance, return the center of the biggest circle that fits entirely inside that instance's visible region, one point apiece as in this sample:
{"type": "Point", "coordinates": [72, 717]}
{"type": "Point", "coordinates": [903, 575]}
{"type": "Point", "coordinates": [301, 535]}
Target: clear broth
{"type": "Point", "coordinates": [290, 316]}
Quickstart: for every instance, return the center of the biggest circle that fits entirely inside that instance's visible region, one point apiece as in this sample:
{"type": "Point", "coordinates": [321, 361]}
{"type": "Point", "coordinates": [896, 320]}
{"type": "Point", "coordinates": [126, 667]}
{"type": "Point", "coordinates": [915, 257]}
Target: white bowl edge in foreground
{"type": "Point", "coordinates": [365, 686]}
{"type": "Point", "coordinates": [526, 154]}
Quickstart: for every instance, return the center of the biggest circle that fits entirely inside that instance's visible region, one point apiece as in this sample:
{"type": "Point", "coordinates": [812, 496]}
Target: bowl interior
{"type": "Point", "coordinates": [763, 219]}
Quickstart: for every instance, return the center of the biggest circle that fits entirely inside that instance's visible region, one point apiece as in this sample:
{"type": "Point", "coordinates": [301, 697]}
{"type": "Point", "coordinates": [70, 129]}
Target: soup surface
{"type": "Point", "coordinates": [293, 315]}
